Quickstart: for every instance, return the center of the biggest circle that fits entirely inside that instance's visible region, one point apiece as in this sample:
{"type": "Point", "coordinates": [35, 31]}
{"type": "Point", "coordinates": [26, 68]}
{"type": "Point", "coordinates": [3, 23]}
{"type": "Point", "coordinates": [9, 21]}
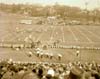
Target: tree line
{"type": "Point", "coordinates": [62, 11]}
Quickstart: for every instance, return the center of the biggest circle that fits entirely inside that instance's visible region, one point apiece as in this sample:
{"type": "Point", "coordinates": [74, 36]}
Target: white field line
{"type": "Point", "coordinates": [89, 40]}
{"type": "Point", "coordinates": [91, 33]}
{"type": "Point", "coordinates": [10, 35]}
{"type": "Point", "coordinates": [7, 34]}
{"type": "Point", "coordinates": [62, 29]}
{"type": "Point", "coordinates": [51, 37]}
{"type": "Point", "coordinates": [18, 35]}
{"type": "Point", "coordinates": [36, 28]}
{"type": "Point", "coordinates": [42, 34]}
{"type": "Point", "coordinates": [76, 39]}
{"type": "Point", "coordinates": [4, 36]}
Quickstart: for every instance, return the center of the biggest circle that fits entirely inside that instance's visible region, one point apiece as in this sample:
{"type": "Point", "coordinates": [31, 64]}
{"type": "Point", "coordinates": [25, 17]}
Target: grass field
{"type": "Point", "coordinates": [77, 35]}
{"type": "Point", "coordinates": [68, 55]}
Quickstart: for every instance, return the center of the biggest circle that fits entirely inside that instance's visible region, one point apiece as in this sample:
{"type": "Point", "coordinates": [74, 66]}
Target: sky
{"type": "Point", "coordinates": [78, 3]}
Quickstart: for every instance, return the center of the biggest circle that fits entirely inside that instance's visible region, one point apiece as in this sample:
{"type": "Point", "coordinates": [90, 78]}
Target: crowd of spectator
{"type": "Point", "coordinates": [44, 70]}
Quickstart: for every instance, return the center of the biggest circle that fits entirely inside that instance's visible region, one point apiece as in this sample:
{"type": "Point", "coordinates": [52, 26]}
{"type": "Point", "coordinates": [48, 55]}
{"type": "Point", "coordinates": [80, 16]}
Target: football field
{"type": "Point", "coordinates": [70, 35]}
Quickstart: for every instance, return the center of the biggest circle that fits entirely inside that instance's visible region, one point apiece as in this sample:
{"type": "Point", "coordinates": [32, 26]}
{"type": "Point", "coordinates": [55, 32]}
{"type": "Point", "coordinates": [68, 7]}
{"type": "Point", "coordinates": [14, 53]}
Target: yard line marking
{"type": "Point", "coordinates": [20, 35]}
{"type": "Point", "coordinates": [36, 28]}
{"type": "Point", "coordinates": [63, 38]}
{"type": "Point", "coordinates": [42, 34]}
{"type": "Point", "coordinates": [91, 33]}
{"type": "Point", "coordinates": [76, 39]}
{"type": "Point", "coordinates": [89, 40]}
{"type": "Point", "coordinates": [51, 37]}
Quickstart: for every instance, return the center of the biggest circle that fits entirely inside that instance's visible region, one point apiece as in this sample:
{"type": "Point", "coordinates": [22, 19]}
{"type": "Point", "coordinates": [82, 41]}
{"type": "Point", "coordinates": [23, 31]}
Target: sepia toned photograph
{"type": "Point", "coordinates": [49, 39]}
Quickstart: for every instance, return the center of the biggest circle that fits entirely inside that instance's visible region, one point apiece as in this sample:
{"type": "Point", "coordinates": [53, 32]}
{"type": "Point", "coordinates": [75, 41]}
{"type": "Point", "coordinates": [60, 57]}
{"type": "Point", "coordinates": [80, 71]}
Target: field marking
{"type": "Point", "coordinates": [35, 29]}
{"type": "Point", "coordinates": [51, 37]}
{"type": "Point", "coordinates": [27, 34]}
{"type": "Point", "coordinates": [8, 32]}
{"type": "Point", "coordinates": [11, 33]}
{"type": "Point", "coordinates": [89, 40]}
{"type": "Point", "coordinates": [91, 33]}
{"type": "Point", "coordinates": [8, 35]}
{"type": "Point", "coordinates": [63, 38]}
{"type": "Point", "coordinates": [76, 39]}
{"type": "Point", "coordinates": [39, 37]}
{"type": "Point", "coordinates": [17, 36]}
